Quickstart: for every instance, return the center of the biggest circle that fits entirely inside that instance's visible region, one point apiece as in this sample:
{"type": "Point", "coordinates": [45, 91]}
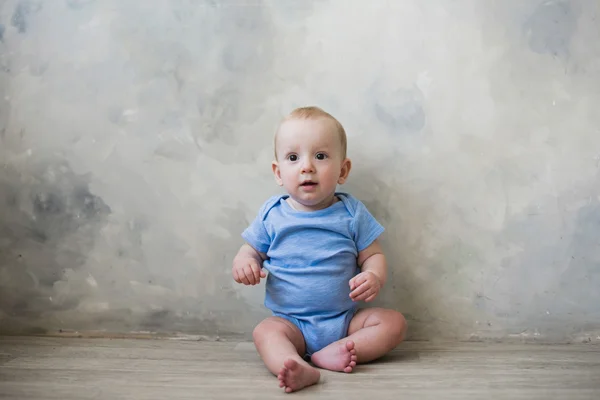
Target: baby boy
{"type": "Point", "coordinates": [321, 250]}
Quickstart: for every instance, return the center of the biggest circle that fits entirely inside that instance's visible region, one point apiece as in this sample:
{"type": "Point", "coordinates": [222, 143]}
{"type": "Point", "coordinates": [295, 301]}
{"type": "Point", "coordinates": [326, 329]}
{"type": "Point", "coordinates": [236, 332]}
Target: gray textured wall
{"type": "Point", "coordinates": [135, 146]}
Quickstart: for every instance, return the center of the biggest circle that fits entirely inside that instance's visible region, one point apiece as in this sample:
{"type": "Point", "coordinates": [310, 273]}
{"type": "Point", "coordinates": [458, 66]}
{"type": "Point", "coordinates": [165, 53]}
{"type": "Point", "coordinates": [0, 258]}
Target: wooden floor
{"type": "Point", "coordinates": [59, 368]}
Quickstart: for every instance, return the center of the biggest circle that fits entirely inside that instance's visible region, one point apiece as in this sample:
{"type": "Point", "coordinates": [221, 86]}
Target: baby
{"type": "Point", "coordinates": [321, 250]}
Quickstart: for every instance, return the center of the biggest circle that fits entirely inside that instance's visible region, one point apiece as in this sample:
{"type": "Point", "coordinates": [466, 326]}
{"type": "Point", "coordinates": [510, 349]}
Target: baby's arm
{"type": "Point", "coordinates": [247, 265]}
{"type": "Point", "coordinates": [366, 285]}
{"type": "Point", "coordinates": [373, 260]}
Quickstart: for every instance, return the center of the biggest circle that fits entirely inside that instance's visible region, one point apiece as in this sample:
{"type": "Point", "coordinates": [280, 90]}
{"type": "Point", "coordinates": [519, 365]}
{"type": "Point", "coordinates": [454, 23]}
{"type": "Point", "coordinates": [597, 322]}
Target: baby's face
{"type": "Point", "coordinates": [309, 162]}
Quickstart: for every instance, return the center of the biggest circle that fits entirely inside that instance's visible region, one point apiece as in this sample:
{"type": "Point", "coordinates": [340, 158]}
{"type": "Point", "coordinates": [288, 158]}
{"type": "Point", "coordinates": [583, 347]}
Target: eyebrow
{"type": "Point", "coordinates": [291, 149]}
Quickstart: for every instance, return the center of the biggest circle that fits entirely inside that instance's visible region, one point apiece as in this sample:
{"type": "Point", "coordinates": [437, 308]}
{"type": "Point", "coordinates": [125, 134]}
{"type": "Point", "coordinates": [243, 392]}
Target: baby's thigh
{"type": "Point", "coordinates": [367, 317]}
{"type": "Point", "coordinates": [279, 326]}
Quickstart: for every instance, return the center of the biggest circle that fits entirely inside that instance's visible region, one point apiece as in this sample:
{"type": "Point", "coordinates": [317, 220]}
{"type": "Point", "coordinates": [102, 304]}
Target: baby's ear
{"type": "Point", "coordinates": [276, 172]}
{"type": "Point", "coordinates": [346, 167]}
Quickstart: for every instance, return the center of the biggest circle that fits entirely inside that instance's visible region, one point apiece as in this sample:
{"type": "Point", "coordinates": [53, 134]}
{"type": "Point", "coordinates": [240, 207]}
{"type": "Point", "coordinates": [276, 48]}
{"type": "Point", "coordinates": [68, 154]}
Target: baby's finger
{"type": "Point", "coordinates": [356, 281]}
{"type": "Point", "coordinates": [256, 272]}
{"type": "Point", "coordinates": [360, 279]}
{"type": "Point", "coordinates": [366, 295]}
{"type": "Point", "coordinates": [235, 276]}
{"type": "Point", "coordinates": [359, 290]}
{"type": "Point", "coordinates": [243, 278]}
{"type": "Point", "coordinates": [249, 274]}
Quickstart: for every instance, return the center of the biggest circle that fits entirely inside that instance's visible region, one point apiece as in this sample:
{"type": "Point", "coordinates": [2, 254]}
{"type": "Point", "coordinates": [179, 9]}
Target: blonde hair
{"type": "Point", "coordinates": [313, 112]}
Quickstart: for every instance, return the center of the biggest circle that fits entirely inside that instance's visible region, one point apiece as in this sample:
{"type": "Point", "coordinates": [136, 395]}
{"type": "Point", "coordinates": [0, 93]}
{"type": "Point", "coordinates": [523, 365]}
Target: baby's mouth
{"type": "Point", "coordinates": [308, 184]}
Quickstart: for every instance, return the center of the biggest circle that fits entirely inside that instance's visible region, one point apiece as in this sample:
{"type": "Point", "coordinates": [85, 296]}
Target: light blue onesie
{"type": "Point", "coordinates": [311, 258]}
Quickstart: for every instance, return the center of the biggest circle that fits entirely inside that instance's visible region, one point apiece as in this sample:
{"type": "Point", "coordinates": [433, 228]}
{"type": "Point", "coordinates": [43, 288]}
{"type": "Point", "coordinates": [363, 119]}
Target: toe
{"type": "Point", "coordinates": [348, 369]}
{"type": "Point", "coordinates": [350, 345]}
{"type": "Point", "coordinates": [282, 373]}
{"type": "Point", "coordinates": [352, 364]}
{"type": "Point", "coordinates": [353, 357]}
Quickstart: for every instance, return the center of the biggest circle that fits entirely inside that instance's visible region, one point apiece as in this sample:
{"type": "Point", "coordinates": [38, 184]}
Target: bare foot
{"type": "Point", "coordinates": [295, 376]}
{"type": "Point", "coordinates": [338, 356]}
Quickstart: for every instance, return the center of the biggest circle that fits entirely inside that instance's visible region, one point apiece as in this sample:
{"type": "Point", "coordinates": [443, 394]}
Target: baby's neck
{"type": "Point", "coordinates": [300, 207]}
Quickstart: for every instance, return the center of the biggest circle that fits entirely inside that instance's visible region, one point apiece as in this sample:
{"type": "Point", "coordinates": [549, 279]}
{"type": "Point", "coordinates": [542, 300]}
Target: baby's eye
{"type": "Point", "coordinates": [293, 157]}
{"type": "Point", "coordinates": [321, 156]}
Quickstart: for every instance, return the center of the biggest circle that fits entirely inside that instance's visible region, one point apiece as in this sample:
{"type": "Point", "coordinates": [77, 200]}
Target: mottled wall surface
{"type": "Point", "coordinates": [135, 146]}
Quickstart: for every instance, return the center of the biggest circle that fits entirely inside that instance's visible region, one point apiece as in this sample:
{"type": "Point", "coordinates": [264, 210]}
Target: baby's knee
{"type": "Point", "coordinates": [398, 325]}
{"type": "Point", "coordinates": [262, 330]}
{"type": "Point", "coordinates": [270, 326]}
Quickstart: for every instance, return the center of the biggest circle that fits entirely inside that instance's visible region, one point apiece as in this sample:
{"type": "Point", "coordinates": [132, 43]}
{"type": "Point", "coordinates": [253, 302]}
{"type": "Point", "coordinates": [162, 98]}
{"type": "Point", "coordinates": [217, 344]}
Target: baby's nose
{"type": "Point", "coordinates": [307, 166]}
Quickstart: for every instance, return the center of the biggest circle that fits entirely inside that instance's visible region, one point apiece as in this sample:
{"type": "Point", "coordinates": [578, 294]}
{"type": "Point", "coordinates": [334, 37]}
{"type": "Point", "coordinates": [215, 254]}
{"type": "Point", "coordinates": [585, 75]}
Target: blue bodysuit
{"type": "Point", "coordinates": [311, 257]}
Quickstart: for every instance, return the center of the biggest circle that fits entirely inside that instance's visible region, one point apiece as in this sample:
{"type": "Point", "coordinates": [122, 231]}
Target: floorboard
{"type": "Point", "coordinates": [70, 368]}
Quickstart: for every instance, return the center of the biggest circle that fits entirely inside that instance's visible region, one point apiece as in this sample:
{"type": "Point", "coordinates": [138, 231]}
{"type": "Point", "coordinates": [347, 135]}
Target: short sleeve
{"type": "Point", "coordinates": [256, 234]}
{"type": "Point", "coordinates": [365, 227]}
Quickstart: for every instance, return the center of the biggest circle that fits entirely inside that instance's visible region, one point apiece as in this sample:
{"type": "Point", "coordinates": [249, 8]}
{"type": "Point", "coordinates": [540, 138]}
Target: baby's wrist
{"type": "Point", "coordinates": [379, 279]}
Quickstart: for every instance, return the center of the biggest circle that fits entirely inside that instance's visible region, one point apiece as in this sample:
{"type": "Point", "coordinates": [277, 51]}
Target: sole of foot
{"type": "Point", "coordinates": [295, 376]}
{"type": "Point", "coordinates": [339, 356]}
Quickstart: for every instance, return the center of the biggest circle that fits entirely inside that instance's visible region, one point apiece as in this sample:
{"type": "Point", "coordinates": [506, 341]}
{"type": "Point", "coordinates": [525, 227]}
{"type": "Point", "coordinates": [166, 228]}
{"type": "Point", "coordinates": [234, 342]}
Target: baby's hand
{"type": "Point", "coordinates": [247, 271]}
{"type": "Point", "coordinates": [365, 286]}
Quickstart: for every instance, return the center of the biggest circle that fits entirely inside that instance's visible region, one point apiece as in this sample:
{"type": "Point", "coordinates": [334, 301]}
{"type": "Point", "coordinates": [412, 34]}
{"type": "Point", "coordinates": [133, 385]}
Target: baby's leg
{"type": "Point", "coordinates": [372, 333]}
{"type": "Point", "coordinates": [280, 343]}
